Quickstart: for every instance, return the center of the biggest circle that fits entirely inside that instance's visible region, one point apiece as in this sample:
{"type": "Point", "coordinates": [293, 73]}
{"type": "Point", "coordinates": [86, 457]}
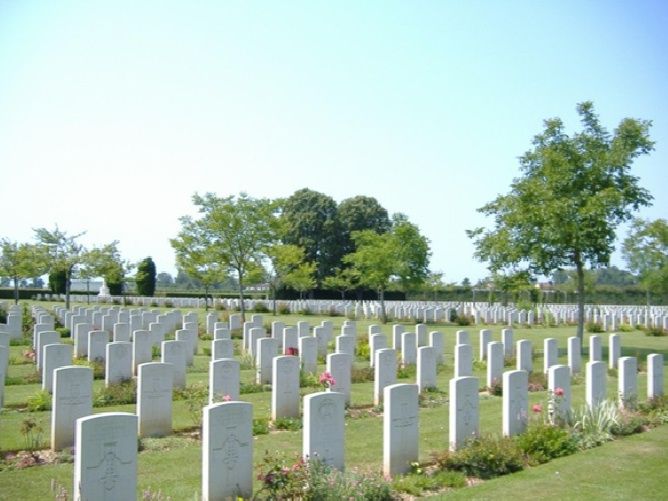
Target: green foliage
{"type": "Point", "coordinates": [58, 281]}
{"type": "Point", "coordinates": [543, 442]}
{"type": "Point", "coordinates": [485, 457]}
{"type": "Point", "coordinates": [646, 252]}
{"type": "Point", "coordinates": [584, 188]}
{"type": "Point", "coordinates": [594, 327]}
{"type": "Point", "coordinates": [656, 331]}
{"type": "Point", "coordinates": [312, 480]}
{"type": "Point", "coordinates": [196, 397]}
{"type": "Point", "coordinates": [537, 381]}
{"type": "Point", "coordinates": [407, 372]}
{"type": "Point", "coordinates": [288, 424]}
{"type": "Point", "coordinates": [362, 375]}
{"type": "Point", "coordinates": [260, 426]}
{"type": "Point", "coordinates": [629, 423]}
{"type": "Point", "coordinates": [63, 331]}
{"type": "Point", "coordinates": [40, 402]}
{"type": "Point", "coordinates": [116, 394]}
{"type": "Point", "coordinates": [32, 430]}
{"type": "Point", "coordinates": [145, 279]}
{"type": "Point", "coordinates": [260, 307]}
{"type": "Point", "coordinates": [232, 235]}
{"type": "Point", "coordinates": [593, 425]}
{"type": "Point", "coordinates": [496, 388]}
{"type": "Point", "coordinates": [417, 481]}
{"type": "Point", "coordinates": [462, 320]}
{"type": "Point", "coordinates": [283, 309]}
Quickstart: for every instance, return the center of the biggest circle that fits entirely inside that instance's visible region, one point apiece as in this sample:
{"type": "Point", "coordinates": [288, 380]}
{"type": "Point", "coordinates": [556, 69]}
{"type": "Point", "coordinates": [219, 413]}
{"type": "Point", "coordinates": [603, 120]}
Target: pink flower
{"type": "Point", "coordinates": [327, 380]}
{"type": "Point", "coordinates": [537, 408]}
{"type": "Point", "coordinates": [558, 391]}
{"type": "Point", "coordinates": [227, 398]}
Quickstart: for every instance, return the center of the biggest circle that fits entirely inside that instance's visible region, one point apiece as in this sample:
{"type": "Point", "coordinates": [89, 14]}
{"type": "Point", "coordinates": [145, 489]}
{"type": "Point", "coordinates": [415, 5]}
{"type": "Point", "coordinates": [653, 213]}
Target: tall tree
{"type": "Point", "coordinates": [21, 261]}
{"type": "Point", "coordinates": [573, 193]}
{"type": "Point", "coordinates": [145, 278]}
{"type": "Point", "coordinates": [645, 249]}
{"type": "Point", "coordinates": [381, 259]}
{"type": "Point", "coordinates": [357, 214]}
{"type": "Point", "coordinates": [232, 231]}
{"type": "Point", "coordinates": [106, 262]}
{"type": "Point", "coordinates": [65, 253]}
{"type": "Point", "coordinates": [193, 257]}
{"type": "Point", "coordinates": [310, 220]}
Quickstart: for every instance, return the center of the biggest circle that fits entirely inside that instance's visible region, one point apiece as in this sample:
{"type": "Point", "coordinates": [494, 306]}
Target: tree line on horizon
{"type": "Point", "coordinates": [561, 215]}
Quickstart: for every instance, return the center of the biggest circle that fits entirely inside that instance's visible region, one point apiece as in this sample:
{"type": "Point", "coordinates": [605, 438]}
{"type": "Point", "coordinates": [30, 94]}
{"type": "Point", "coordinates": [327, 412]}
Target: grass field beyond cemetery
{"type": "Point", "coordinates": [629, 468]}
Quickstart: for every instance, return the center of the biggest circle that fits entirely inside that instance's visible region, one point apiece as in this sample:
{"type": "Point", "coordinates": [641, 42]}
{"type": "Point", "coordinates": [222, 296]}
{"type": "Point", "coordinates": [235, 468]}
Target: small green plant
{"type": "Point", "coordinates": [542, 442]}
{"type": "Point", "coordinates": [496, 388]}
{"type": "Point", "coordinates": [121, 393]}
{"type": "Point", "coordinates": [260, 308]}
{"type": "Point", "coordinates": [63, 331]}
{"type": "Point", "coordinates": [537, 381]}
{"type": "Point", "coordinates": [594, 327]}
{"type": "Point", "coordinates": [40, 402]}
{"type": "Point", "coordinates": [288, 424]}
{"type": "Point", "coordinates": [484, 457]}
{"type": "Point", "coordinates": [260, 426]}
{"type": "Point", "coordinates": [283, 309]}
{"type": "Point", "coordinates": [656, 332]}
{"type": "Point", "coordinates": [593, 425]}
{"type": "Point", "coordinates": [626, 328]}
{"type": "Point", "coordinates": [462, 320]}
{"type": "Point", "coordinates": [362, 375]}
{"type": "Point", "coordinates": [196, 396]}
{"type": "Point", "coordinates": [32, 430]}
{"type": "Point", "coordinates": [407, 372]}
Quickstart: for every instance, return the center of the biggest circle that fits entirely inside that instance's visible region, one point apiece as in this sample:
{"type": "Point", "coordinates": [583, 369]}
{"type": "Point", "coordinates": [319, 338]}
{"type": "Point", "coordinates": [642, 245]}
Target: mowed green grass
{"type": "Point", "coordinates": [173, 464]}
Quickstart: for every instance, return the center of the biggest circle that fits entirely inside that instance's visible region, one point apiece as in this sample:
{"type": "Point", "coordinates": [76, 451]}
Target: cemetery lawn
{"type": "Point", "coordinates": [628, 468]}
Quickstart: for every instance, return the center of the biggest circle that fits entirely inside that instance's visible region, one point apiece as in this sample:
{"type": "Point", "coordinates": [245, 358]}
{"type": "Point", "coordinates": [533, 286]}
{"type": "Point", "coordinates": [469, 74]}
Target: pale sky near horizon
{"type": "Point", "coordinates": [113, 114]}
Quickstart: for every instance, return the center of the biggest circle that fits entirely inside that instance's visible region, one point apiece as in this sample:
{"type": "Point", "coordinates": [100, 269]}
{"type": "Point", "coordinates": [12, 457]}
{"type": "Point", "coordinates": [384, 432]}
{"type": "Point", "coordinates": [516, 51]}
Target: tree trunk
{"type": "Point", "coordinates": [581, 299]}
{"type": "Point", "coordinates": [381, 295]}
{"type": "Point", "coordinates": [647, 296]}
{"type": "Point", "coordinates": [16, 290]}
{"type": "Point", "coordinates": [67, 288]}
{"type": "Point", "coordinates": [206, 296]}
{"type": "Point", "coordinates": [273, 295]}
{"type": "Point", "coordinates": [241, 296]}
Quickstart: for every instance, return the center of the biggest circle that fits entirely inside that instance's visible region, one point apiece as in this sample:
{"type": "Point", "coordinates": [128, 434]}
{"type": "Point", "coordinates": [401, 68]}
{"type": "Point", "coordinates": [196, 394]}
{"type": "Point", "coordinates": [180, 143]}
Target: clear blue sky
{"type": "Point", "coordinates": [113, 114]}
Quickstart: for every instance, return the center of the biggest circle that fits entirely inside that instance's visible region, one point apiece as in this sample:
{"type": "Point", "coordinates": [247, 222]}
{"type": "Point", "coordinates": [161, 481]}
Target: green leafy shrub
{"type": "Point", "coordinates": [63, 331]}
{"type": "Point", "coordinates": [260, 426]}
{"type": "Point", "coordinates": [656, 332]}
{"type": "Point", "coordinates": [260, 308]}
{"type": "Point", "coordinates": [196, 397]}
{"type": "Point", "coordinates": [362, 375]}
{"type": "Point", "coordinates": [626, 328]}
{"type": "Point", "coordinates": [593, 425]}
{"type": "Point", "coordinates": [496, 388]}
{"type": "Point", "coordinates": [537, 381]}
{"type": "Point", "coordinates": [484, 457]}
{"type": "Point", "coordinates": [283, 309]}
{"type": "Point", "coordinates": [462, 320]}
{"type": "Point", "coordinates": [116, 394]}
{"type": "Point", "coordinates": [594, 327]}
{"type": "Point", "coordinates": [419, 480]}
{"type": "Point", "coordinates": [288, 424]}
{"type": "Point", "coordinates": [629, 423]}
{"type": "Point", "coordinates": [407, 372]}
{"type": "Point", "coordinates": [542, 442]}
{"type": "Point", "coordinates": [40, 402]}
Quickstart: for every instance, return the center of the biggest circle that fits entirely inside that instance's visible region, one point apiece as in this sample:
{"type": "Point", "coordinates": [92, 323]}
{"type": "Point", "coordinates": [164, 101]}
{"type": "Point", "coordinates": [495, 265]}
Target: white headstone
{"type": "Point", "coordinates": [550, 353]}
{"type": "Point", "coordinates": [595, 351]}
{"type": "Point", "coordinates": [227, 451]}
{"type": "Point", "coordinates": [574, 354]}
{"type": "Point", "coordinates": [285, 389]}
{"type": "Point", "coordinates": [559, 381]}
{"type": "Point", "coordinates": [224, 379]}
{"type": "Point", "coordinates": [339, 366]}
{"type": "Point", "coordinates": [628, 382]}
{"type": "Point", "coordinates": [105, 463]}
{"type": "Point", "coordinates": [222, 348]}
{"type": "Point", "coordinates": [614, 350]}
{"type": "Point", "coordinates": [118, 362]}
{"type": "Point", "coordinates": [515, 402]}
{"type": "Point", "coordinates": [595, 391]}
{"type": "Point", "coordinates": [409, 348]}
{"type": "Point", "coordinates": [464, 416]}
{"type": "Point", "coordinates": [308, 353]}
{"type": "Point", "coordinates": [426, 368]}
{"type": "Point", "coordinates": [524, 356]}
{"type": "Point", "coordinates": [324, 428]}
{"type": "Point", "coordinates": [464, 360]}
{"type": "Point", "coordinates": [385, 368]}
{"type": "Point", "coordinates": [97, 346]}
{"type": "Point", "coordinates": [508, 343]}
{"type": "Point", "coordinates": [154, 399]}
{"type": "Point", "coordinates": [495, 359]}
{"type": "Point", "coordinates": [142, 351]}
{"type": "Point", "coordinates": [72, 399]}
{"type": "Point", "coordinates": [654, 375]}
{"type": "Point", "coordinates": [54, 357]}
{"type": "Point", "coordinates": [174, 353]}
{"type": "Point", "coordinates": [485, 339]}
{"type": "Point", "coordinates": [400, 427]}
{"type": "Point", "coordinates": [266, 349]}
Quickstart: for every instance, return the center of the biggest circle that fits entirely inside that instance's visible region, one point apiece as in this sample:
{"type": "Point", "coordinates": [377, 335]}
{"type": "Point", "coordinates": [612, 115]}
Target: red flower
{"type": "Point", "coordinates": [558, 391]}
{"type": "Point", "coordinates": [537, 408]}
